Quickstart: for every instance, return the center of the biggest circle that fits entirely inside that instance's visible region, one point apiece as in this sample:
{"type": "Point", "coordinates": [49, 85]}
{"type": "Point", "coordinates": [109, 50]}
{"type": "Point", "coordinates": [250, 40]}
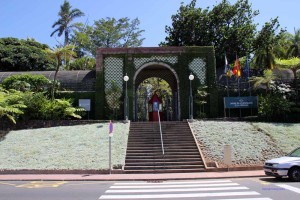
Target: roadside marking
{"type": "Point", "coordinates": [178, 190]}
{"type": "Point", "coordinates": [2, 183]}
{"type": "Point", "coordinates": [288, 187]}
{"type": "Point", "coordinates": [171, 186]}
{"type": "Point", "coordinates": [183, 195]}
{"type": "Point", "coordinates": [42, 184]}
{"type": "Point", "coordinates": [248, 199]}
{"type": "Point", "coordinates": [174, 183]}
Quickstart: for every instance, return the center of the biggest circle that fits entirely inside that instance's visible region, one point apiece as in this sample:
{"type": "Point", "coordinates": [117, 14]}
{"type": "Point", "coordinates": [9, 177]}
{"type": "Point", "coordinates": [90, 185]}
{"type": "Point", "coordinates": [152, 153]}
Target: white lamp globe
{"type": "Point", "coordinates": [191, 77]}
{"type": "Point", "coordinates": [126, 78]}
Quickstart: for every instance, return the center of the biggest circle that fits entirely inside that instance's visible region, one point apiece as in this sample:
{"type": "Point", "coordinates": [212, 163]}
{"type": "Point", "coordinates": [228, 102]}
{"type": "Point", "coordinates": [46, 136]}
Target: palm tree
{"type": "Point", "coordinates": [264, 58]}
{"type": "Point", "coordinates": [264, 81]}
{"type": "Point", "coordinates": [64, 22]}
{"type": "Point", "coordinates": [294, 50]}
{"type": "Point", "coordinates": [58, 54]}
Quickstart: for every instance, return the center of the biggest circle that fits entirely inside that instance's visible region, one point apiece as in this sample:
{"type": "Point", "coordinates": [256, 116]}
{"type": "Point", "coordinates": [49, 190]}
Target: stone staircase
{"type": "Point", "coordinates": [144, 150]}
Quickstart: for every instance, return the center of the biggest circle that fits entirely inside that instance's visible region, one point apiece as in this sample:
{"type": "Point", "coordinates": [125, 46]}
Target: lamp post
{"type": "Point", "coordinates": [191, 77]}
{"type": "Point", "coordinates": [126, 78]}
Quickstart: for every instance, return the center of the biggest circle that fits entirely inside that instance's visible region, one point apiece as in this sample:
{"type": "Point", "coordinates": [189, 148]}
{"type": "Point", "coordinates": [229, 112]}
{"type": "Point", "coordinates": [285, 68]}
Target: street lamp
{"type": "Point", "coordinates": [126, 78]}
{"type": "Point", "coordinates": [191, 77]}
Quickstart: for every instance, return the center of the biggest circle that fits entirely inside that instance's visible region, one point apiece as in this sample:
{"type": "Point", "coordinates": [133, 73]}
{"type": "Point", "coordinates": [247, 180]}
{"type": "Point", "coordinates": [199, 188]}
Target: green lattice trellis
{"type": "Point", "coordinates": [113, 71]}
{"type": "Point", "coordinates": [138, 62]}
{"type": "Point", "coordinates": [182, 60]}
{"type": "Point", "coordinates": [198, 67]}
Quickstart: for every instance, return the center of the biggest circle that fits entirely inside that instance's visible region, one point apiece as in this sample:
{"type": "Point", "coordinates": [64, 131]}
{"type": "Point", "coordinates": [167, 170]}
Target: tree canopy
{"type": "Point", "coordinates": [227, 27]}
{"type": "Point", "coordinates": [23, 55]}
{"type": "Point", "coordinates": [108, 33]}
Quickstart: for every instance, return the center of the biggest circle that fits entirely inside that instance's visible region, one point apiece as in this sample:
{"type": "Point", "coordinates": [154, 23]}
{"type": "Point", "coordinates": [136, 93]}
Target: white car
{"type": "Point", "coordinates": [285, 166]}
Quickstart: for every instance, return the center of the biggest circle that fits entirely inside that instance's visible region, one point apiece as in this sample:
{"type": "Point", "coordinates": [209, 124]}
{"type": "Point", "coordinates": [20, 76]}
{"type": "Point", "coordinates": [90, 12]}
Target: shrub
{"type": "Point", "coordinates": [40, 107]}
{"type": "Point", "coordinates": [26, 82]}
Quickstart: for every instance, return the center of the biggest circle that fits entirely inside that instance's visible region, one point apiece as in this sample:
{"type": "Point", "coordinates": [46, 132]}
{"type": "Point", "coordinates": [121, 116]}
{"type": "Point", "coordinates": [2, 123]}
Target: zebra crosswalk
{"type": "Point", "coordinates": [208, 189]}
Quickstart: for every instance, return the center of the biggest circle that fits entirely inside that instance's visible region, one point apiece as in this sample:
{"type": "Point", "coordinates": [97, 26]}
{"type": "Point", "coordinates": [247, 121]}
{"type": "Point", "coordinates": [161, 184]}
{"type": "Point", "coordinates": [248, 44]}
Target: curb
{"type": "Point", "coordinates": [114, 171]}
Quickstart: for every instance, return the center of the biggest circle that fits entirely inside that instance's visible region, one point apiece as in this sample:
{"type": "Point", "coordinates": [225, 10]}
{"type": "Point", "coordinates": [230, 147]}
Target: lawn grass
{"type": "Point", "coordinates": [251, 143]}
{"type": "Point", "coordinates": [285, 135]}
{"type": "Point", "coordinates": [64, 147]}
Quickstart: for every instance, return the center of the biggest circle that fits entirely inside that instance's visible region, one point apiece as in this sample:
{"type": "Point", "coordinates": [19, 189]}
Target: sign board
{"type": "Point", "coordinates": [241, 102]}
{"type": "Point", "coordinates": [227, 155]}
{"type": "Point", "coordinates": [85, 103]}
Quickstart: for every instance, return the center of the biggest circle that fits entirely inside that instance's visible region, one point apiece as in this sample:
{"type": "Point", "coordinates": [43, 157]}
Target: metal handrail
{"type": "Point", "coordinates": [161, 137]}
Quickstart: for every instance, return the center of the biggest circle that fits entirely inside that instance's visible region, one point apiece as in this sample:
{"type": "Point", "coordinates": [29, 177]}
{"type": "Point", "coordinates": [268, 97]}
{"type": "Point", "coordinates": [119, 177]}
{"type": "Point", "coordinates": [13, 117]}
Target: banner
{"type": "Point", "coordinates": [241, 102]}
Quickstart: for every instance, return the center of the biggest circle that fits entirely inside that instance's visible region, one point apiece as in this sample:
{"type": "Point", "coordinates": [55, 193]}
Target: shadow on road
{"type": "Point", "coordinates": [276, 180]}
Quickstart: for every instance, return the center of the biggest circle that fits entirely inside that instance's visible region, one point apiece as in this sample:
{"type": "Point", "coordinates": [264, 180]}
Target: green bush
{"type": "Point", "coordinates": [11, 104]}
{"type": "Point", "coordinates": [27, 82]}
{"type": "Point", "coordinates": [40, 107]}
{"type": "Point", "coordinates": [84, 63]}
{"type": "Point", "coordinates": [273, 107]}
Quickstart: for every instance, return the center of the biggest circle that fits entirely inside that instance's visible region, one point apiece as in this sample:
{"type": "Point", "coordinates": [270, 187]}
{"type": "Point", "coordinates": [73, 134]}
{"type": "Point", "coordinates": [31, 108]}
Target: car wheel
{"type": "Point", "coordinates": [294, 174]}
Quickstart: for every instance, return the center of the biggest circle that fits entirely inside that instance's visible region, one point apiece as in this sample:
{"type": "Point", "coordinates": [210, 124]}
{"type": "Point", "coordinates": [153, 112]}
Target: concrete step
{"type": "Point", "coordinates": [153, 159]}
{"type": "Point", "coordinates": [183, 166]}
{"type": "Point", "coordinates": [133, 144]}
{"type": "Point", "coordinates": [161, 156]}
{"type": "Point", "coordinates": [154, 171]}
{"type": "Point", "coordinates": [163, 163]}
{"type": "Point", "coordinates": [144, 153]}
{"type": "Point", "coordinates": [174, 150]}
{"type": "Point", "coordinates": [194, 147]}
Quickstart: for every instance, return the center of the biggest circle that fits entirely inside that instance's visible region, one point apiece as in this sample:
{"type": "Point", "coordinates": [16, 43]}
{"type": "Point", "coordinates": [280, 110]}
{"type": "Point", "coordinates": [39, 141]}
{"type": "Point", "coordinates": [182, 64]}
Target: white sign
{"type": "Point", "coordinates": [85, 103]}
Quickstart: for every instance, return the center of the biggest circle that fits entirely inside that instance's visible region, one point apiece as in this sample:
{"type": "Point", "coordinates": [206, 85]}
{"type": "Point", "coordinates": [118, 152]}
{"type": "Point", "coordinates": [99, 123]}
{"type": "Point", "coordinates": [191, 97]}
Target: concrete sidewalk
{"type": "Point", "coordinates": [130, 177]}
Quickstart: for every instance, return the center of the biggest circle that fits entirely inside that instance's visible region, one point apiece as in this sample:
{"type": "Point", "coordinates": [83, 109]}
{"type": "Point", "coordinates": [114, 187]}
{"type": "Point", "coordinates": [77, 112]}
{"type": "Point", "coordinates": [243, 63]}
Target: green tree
{"type": "Point", "coordinates": [59, 54]}
{"type": "Point", "coordinates": [108, 33]}
{"type": "Point", "coordinates": [294, 50]}
{"type": "Point", "coordinates": [26, 82]}
{"type": "Point", "coordinates": [23, 55]}
{"type": "Point", "coordinates": [265, 44]}
{"type": "Point", "coordinates": [64, 23]}
{"type": "Point", "coordinates": [282, 46]}
{"type": "Point", "coordinates": [227, 27]}
{"type": "Point", "coordinates": [83, 63]}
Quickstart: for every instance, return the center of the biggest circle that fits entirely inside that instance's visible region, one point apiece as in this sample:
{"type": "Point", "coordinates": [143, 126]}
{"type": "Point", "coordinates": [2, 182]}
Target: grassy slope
{"type": "Point", "coordinates": [86, 146]}
{"type": "Point", "coordinates": [65, 147]}
{"type": "Point", "coordinates": [252, 143]}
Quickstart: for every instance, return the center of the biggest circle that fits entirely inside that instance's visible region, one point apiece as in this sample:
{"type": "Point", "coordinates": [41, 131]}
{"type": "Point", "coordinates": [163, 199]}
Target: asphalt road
{"type": "Point", "coordinates": [217, 189]}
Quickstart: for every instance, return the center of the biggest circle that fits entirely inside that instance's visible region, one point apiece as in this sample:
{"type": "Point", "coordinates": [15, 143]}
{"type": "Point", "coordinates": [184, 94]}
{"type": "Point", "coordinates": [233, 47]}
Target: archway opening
{"type": "Point", "coordinates": [145, 91]}
{"type": "Point", "coordinates": [156, 78]}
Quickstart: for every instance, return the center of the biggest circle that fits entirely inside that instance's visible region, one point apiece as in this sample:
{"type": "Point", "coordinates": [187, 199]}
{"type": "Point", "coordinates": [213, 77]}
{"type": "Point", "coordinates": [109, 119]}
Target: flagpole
{"type": "Point", "coordinates": [109, 154]}
{"type": "Point", "coordinates": [110, 136]}
{"type": "Point", "coordinates": [227, 68]}
{"type": "Point", "coordinates": [249, 85]}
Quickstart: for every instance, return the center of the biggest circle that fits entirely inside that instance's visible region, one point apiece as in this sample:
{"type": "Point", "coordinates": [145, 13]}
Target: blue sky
{"type": "Point", "coordinates": [34, 18]}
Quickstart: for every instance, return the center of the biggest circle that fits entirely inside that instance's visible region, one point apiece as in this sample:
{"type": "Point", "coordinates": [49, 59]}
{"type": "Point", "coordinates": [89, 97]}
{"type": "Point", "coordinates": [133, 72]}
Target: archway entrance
{"type": "Point", "coordinates": [160, 78]}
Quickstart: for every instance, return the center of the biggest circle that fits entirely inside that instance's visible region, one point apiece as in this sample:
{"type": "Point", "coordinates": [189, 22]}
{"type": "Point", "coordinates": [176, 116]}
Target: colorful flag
{"type": "Point", "coordinates": [246, 70]}
{"type": "Point", "coordinates": [111, 128]}
{"type": "Point", "coordinates": [237, 68]}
